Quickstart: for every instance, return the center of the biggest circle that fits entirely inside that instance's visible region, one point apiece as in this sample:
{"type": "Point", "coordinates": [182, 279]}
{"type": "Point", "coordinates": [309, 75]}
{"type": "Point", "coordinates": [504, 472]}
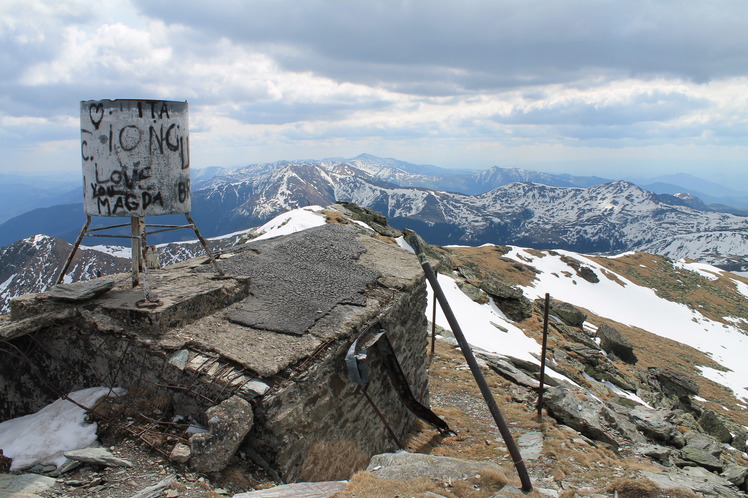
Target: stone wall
{"type": "Point", "coordinates": [322, 427]}
{"type": "Point", "coordinates": [57, 360]}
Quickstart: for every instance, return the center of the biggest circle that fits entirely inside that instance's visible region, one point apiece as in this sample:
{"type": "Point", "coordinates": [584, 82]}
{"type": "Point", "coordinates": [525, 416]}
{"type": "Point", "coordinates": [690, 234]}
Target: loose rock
{"type": "Point", "coordinates": [568, 313]}
{"type": "Point", "coordinates": [181, 453]}
{"type": "Point", "coordinates": [713, 425]}
{"type": "Point", "coordinates": [228, 423]}
{"type": "Point", "coordinates": [614, 343]}
{"type": "Point", "coordinates": [97, 456]}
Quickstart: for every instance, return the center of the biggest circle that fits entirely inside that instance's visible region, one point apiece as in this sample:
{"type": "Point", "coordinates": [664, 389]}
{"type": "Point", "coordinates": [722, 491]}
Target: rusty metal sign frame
{"type": "Point", "coordinates": [137, 238]}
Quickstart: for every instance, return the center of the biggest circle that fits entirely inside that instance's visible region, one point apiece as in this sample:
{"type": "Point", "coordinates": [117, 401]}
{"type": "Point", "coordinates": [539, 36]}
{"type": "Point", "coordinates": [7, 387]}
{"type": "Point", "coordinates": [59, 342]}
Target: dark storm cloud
{"type": "Point", "coordinates": [480, 44]}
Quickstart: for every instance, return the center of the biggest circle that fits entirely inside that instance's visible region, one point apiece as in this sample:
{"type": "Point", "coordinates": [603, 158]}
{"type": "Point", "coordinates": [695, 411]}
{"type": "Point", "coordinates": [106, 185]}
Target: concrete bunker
{"type": "Point", "coordinates": [257, 358]}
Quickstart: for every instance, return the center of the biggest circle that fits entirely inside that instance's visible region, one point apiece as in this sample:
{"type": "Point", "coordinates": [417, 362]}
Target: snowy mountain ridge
{"type": "Point", "coordinates": [32, 265]}
{"type": "Point", "coordinates": [609, 217]}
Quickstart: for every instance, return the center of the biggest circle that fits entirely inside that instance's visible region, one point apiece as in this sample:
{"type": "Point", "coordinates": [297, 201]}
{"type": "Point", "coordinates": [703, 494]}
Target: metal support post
{"type": "Point", "coordinates": [467, 352]}
{"type": "Point", "coordinates": [77, 244]}
{"type": "Point", "coordinates": [433, 326]}
{"type": "Point", "coordinates": [205, 245]}
{"type": "Point", "coordinates": [541, 387]}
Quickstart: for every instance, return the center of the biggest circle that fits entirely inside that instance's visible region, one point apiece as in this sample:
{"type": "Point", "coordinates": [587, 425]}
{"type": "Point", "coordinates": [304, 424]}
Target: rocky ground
{"type": "Point", "coordinates": [561, 461]}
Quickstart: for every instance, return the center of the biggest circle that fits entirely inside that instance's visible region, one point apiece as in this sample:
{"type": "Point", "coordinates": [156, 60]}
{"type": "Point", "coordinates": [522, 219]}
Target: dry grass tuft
{"type": "Point", "coordinates": [366, 484]}
{"type": "Point", "coordinates": [335, 217]}
{"type": "Point", "coordinates": [492, 258]}
{"type": "Point", "coordinates": [483, 485]}
{"type": "Point", "coordinates": [645, 488]}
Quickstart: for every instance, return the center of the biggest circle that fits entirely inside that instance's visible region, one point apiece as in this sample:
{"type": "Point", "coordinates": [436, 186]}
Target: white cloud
{"type": "Point", "coordinates": [501, 82]}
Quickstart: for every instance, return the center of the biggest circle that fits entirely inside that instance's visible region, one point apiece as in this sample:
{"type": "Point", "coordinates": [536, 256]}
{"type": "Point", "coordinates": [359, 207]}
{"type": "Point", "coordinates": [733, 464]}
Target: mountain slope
{"type": "Point", "coordinates": [33, 264]}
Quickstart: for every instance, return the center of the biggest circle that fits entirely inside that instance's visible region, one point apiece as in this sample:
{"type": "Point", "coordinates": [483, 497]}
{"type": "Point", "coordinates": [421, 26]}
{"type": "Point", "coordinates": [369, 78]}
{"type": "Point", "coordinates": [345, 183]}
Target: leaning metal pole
{"type": "Point", "coordinates": [541, 386]}
{"type": "Point", "coordinates": [485, 390]}
{"type": "Point", "coordinates": [77, 244]}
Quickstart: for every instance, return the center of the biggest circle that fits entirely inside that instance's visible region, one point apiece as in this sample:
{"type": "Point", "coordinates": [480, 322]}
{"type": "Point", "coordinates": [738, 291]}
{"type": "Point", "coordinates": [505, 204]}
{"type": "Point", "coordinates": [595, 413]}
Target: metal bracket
{"type": "Point", "coordinates": [356, 361]}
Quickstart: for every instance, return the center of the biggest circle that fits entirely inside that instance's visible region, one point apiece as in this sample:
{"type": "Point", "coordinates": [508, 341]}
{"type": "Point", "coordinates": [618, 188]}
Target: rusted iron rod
{"type": "Point", "coordinates": [542, 356]}
{"type": "Point", "coordinates": [219, 270]}
{"type": "Point", "coordinates": [77, 244]}
{"type": "Point", "coordinates": [384, 420]}
{"type": "Point", "coordinates": [433, 326]}
{"type": "Point", "coordinates": [467, 352]}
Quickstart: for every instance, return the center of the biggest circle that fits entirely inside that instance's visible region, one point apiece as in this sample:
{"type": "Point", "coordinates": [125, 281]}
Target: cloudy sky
{"type": "Point", "coordinates": [606, 87]}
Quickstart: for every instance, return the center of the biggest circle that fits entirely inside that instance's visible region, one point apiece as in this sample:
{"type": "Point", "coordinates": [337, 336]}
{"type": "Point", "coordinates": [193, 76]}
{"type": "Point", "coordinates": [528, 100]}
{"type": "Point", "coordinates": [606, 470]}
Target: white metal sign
{"type": "Point", "coordinates": [136, 157]}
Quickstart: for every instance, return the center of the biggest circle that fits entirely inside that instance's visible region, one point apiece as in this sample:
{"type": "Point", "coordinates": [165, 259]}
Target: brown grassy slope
{"type": "Point", "coordinates": [715, 299]}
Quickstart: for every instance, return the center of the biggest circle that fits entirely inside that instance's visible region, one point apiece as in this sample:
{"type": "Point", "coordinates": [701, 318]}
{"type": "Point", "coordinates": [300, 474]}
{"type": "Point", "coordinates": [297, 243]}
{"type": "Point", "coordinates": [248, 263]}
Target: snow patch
{"type": "Point", "coordinates": [476, 321]}
{"type": "Point", "coordinates": [401, 242]}
{"type": "Point", "coordinates": [617, 390]}
{"type": "Point", "coordinates": [707, 271]}
{"type": "Point", "coordinates": [42, 437]}
{"type": "Point", "coordinates": [641, 307]}
{"type": "Point", "coordinates": [116, 251]}
{"type": "Point", "coordinates": [290, 222]}
{"type": "Point", "coordinates": [741, 287]}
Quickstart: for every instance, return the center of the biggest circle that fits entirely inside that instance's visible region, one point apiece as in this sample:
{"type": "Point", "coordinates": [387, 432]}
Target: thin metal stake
{"type": "Point", "coordinates": [485, 390]}
{"type": "Point", "coordinates": [542, 356]}
{"type": "Point", "coordinates": [136, 237]}
{"type": "Point", "coordinates": [433, 326]}
{"type": "Point", "coordinates": [204, 244]}
{"type": "Point", "coordinates": [77, 244]}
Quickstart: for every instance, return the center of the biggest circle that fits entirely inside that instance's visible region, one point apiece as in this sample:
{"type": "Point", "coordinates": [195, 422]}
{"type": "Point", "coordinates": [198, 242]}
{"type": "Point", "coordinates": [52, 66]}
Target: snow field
{"type": "Point", "coordinates": [640, 307]}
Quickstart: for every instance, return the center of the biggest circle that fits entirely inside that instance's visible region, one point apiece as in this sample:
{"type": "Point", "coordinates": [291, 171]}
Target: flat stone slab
{"type": "Point", "coordinates": [323, 489]}
{"type": "Point", "coordinates": [24, 485]}
{"type": "Point", "coordinates": [530, 445]}
{"type": "Point", "coordinates": [180, 293]}
{"type": "Point", "coordinates": [299, 278]}
{"type": "Point", "coordinates": [182, 296]}
{"type": "Point", "coordinates": [81, 291]}
{"type": "Point", "coordinates": [404, 465]}
{"type": "Point", "coordinates": [97, 456]}
{"type": "Point", "coordinates": [695, 479]}
{"type": "Point", "coordinates": [267, 352]}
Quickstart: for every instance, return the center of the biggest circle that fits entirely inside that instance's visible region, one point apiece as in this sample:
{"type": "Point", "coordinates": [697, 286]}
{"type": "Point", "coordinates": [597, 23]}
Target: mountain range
{"type": "Point", "coordinates": [499, 205]}
{"type": "Point", "coordinates": [33, 264]}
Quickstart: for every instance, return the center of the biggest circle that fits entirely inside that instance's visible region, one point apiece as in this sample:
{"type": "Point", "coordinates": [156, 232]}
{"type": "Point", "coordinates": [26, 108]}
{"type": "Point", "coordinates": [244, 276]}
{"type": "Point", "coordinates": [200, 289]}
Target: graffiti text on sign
{"type": "Point", "coordinates": [116, 192]}
{"type": "Point", "coordinates": [110, 201]}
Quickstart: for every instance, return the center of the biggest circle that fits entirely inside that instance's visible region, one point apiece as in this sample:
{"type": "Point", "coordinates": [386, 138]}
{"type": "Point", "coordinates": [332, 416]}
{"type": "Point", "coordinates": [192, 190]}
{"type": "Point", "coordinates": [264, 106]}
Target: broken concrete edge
{"type": "Point", "coordinates": [32, 312]}
{"type": "Point", "coordinates": [10, 329]}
